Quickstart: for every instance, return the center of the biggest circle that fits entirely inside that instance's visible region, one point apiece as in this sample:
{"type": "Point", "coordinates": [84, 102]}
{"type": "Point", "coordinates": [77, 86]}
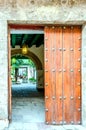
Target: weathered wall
{"type": "Point", "coordinates": [3, 75]}
{"type": "Point", "coordinates": [37, 12]}
{"type": "Point", "coordinates": [43, 11]}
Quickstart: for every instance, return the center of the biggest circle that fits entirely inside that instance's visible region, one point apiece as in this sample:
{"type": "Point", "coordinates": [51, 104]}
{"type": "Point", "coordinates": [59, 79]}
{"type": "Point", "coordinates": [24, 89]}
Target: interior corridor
{"type": "Point", "coordinates": [27, 104]}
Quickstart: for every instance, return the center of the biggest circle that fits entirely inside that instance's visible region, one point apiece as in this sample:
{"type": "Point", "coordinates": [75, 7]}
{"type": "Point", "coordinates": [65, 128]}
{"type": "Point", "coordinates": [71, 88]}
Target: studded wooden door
{"type": "Point", "coordinates": [63, 75]}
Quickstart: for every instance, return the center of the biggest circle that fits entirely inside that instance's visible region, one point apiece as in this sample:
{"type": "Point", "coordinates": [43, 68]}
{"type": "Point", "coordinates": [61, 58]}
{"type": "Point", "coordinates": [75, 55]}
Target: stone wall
{"type": "Point", "coordinates": [43, 11]}
{"type": "Point", "coordinates": [38, 12]}
{"type": "Point", "coordinates": [3, 74]}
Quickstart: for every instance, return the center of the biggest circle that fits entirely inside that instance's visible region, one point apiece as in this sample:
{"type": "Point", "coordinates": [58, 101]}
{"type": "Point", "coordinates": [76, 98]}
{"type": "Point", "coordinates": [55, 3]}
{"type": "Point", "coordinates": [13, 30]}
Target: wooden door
{"type": "Point", "coordinates": [63, 75]}
{"type": "Point", "coordinates": [9, 78]}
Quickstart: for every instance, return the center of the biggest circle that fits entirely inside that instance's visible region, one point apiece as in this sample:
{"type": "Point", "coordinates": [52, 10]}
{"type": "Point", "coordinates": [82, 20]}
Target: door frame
{"type": "Point", "coordinates": [21, 27]}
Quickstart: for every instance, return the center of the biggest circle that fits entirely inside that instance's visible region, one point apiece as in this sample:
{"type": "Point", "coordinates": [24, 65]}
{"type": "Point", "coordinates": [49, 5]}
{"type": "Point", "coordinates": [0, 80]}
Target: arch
{"type": "Point", "coordinates": [30, 55]}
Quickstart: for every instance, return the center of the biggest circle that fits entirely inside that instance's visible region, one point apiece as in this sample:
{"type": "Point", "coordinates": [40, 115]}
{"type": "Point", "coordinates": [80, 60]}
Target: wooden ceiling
{"type": "Point", "coordinates": [28, 39]}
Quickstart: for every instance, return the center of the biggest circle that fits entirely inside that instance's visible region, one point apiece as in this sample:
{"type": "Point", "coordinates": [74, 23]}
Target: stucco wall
{"type": "Point", "coordinates": [3, 75]}
{"type": "Point", "coordinates": [39, 52]}
{"type": "Point", "coordinates": [43, 11]}
{"type": "Point", "coordinates": [38, 12]}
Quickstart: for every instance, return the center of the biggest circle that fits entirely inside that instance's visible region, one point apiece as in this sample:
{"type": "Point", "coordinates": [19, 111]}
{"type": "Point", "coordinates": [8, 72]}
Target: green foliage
{"type": "Point", "coordinates": [17, 61]}
{"type": "Point", "coordinates": [32, 79]}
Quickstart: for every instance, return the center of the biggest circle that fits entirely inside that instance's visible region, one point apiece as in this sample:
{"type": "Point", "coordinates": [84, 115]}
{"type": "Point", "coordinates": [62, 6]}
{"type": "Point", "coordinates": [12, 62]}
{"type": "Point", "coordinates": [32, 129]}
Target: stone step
{"type": "Point", "coordinates": [42, 126]}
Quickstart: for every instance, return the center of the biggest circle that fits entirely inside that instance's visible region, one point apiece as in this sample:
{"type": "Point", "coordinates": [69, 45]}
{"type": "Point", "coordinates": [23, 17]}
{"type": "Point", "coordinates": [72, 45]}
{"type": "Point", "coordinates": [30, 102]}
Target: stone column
{"type": "Point", "coordinates": [83, 75]}
{"type": "Point", "coordinates": [3, 75]}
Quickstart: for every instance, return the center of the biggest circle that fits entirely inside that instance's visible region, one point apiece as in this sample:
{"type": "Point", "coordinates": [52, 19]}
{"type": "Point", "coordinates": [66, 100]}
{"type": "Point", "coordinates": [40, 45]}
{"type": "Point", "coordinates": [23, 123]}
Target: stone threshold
{"type": "Point", "coordinates": [42, 126]}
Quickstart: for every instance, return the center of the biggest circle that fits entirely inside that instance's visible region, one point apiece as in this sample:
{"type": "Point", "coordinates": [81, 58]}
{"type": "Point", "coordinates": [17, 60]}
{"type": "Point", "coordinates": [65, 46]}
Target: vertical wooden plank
{"type": "Point", "coordinates": [71, 76]}
{"type": "Point", "coordinates": [9, 79]}
{"type": "Point", "coordinates": [53, 72]}
{"type": "Point", "coordinates": [66, 75]}
{"type": "Point", "coordinates": [77, 75]}
{"type": "Point", "coordinates": [58, 39]}
{"type": "Point", "coordinates": [48, 76]}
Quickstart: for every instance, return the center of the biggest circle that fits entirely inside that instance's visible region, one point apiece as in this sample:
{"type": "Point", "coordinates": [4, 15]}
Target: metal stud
{"type": "Point", "coordinates": [79, 98]}
{"type": "Point", "coordinates": [64, 70]}
{"type": "Point", "coordinates": [60, 49]}
{"type": "Point", "coordinates": [79, 49]}
{"type": "Point", "coordinates": [46, 110]}
{"type": "Point", "coordinates": [71, 98]}
{"type": "Point", "coordinates": [53, 70]}
{"type": "Point", "coordinates": [79, 122]}
{"type": "Point", "coordinates": [53, 27]}
{"type": "Point", "coordinates": [71, 49]}
{"type": "Point", "coordinates": [46, 60]}
{"type": "Point", "coordinates": [60, 70]}
{"type": "Point", "coordinates": [46, 97]}
{"type": "Point", "coordinates": [46, 49]}
{"type": "Point", "coordinates": [46, 38]}
{"type": "Point", "coordinates": [60, 97]}
{"type": "Point", "coordinates": [72, 122]}
{"type": "Point", "coordinates": [47, 123]}
{"type": "Point", "coordinates": [61, 122]}
{"type": "Point", "coordinates": [78, 84]}
{"type": "Point", "coordinates": [46, 84]}
{"type": "Point", "coordinates": [64, 27]}
{"type": "Point", "coordinates": [64, 97]}
{"type": "Point", "coordinates": [64, 49]}
{"type": "Point", "coordinates": [54, 123]}
{"type": "Point", "coordinates": [53, 97]}
{"type": "Point", "coordinates": [78, 59]}
{"type": "Point", "coordinates": [79, 109]}
{"type": "Point", "coordinates": [79, 38]}
{"type": "Point", "coordinates": [71, 70]}
{"type": "Point", "coordinates": [79, 70]}
{"type": "Point", "coordinates": [53, 49]}
{"type": "Point", "coordinates": [64, 122]}
{"type": "Point", "coordinates": [46, 70]}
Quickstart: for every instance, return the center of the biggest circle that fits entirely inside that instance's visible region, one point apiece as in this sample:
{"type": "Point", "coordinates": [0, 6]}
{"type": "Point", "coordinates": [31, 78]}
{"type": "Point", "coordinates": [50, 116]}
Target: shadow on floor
{"type": "Point", "coordinates": [26, 90]}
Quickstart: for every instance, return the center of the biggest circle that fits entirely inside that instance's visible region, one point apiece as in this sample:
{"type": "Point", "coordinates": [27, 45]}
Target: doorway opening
{"type": "Point", "coordinates": [62, 70]}
{"type": "Point", "coordinates": [27, 76]}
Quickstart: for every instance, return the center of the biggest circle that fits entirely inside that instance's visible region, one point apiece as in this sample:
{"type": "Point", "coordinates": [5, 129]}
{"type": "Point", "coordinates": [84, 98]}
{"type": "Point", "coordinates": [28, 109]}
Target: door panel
{"type": "Point", "coordinates": [48, 80]}
{"type": "Point", "coordinates": [58, 79]}
{"type": "Point", "coordinates": [63, 75]}
{"type": "Point", "coordinates": [66, 75]}
{"type": "Point", "coordinates": [77, 75]}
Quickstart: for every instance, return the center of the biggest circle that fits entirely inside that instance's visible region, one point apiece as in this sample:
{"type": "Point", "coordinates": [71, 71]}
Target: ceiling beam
{"type": "Point", "coordinates": [24, 39]}
{"type": "Point", "coordinates": [40, 41]}
{"type": "Point", "coordinates": [13, 40]}
{"type": "Point", "coordinates": [35, 39]}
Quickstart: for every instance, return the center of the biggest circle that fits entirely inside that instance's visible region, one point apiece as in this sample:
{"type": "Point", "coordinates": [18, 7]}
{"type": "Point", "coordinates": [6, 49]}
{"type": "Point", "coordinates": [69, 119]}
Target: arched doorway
{"type": "Point", "coordinates": [37, 62]}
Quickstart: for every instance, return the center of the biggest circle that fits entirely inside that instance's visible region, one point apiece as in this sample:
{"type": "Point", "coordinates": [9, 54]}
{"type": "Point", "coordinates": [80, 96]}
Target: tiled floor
{"type": "Point", "coordinates": [28, 112]}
